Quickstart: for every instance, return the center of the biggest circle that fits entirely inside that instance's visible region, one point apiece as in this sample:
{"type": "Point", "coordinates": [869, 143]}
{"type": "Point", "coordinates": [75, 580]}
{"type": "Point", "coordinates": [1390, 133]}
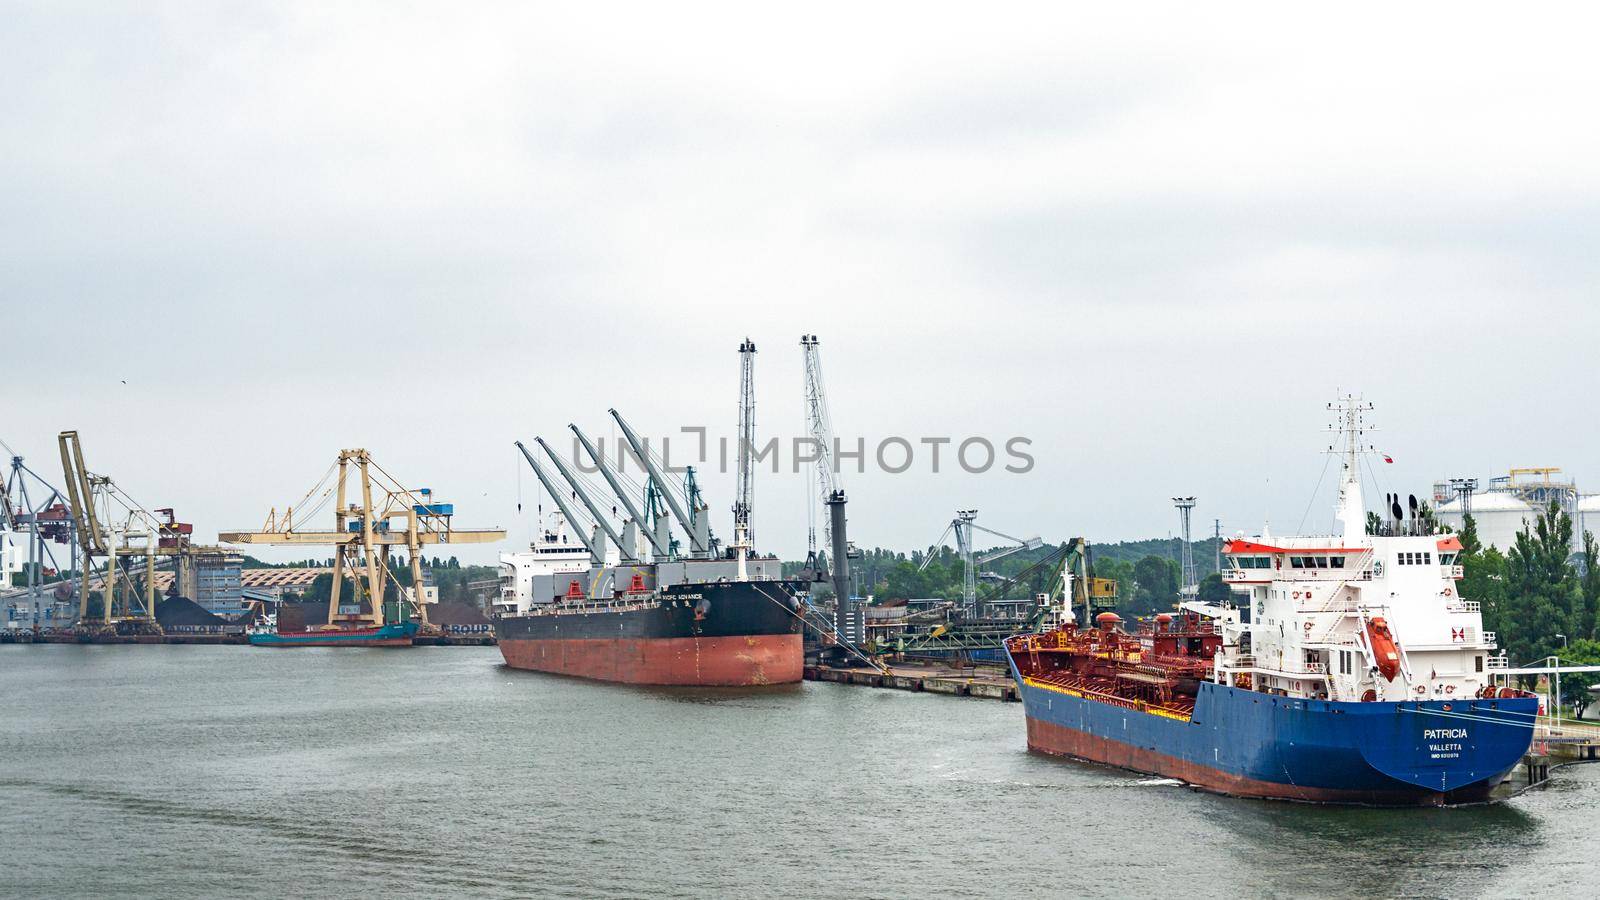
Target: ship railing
{"type": "Point", "coordinates": [1340, 602]}
{"type": "Point", "coordinates": [1464, 606]}
{"type": "Point", "coordinates": [1249, 662]}
{"type": "Point", "coordinates": [1454, 572]}
{"type": "Point", "coordinates": [1496, 662]}
{"type": "Point", "coordinates": [1488, 637]}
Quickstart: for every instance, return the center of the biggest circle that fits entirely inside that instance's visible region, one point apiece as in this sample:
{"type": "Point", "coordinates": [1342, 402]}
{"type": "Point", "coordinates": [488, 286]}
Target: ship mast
{"type": "Point", "coordinates": [747, 427]}
{"type": "Point", "coordinates": [1352, 510]}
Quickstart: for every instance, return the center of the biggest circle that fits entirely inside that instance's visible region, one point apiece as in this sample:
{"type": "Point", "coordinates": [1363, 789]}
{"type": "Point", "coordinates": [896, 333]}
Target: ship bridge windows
{"type": "Point", "coordinates": [1413, 558]}
{"type": "Point", "coordinates": [1314, 562]}
{"type": "Point", "coordinates": [1251, 562]}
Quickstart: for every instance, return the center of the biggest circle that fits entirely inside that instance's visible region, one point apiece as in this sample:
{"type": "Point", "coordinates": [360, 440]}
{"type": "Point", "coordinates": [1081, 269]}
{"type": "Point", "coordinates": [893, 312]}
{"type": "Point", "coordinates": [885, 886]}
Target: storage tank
{"type": "Point", "coordinates": [1498, 514]}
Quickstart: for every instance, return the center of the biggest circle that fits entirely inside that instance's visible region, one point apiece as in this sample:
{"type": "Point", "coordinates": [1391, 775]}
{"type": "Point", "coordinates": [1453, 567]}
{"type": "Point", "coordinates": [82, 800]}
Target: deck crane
{"type": "Point", "coordinates": [628, 541]}
{"type": "Point", "coordinates": [829, 485]}
{"type": "Point", "coordinates": [657, 532]}
{"type": "Point", "coordinates": [745, 496]}
{"type": "Point", "coordinates": [694, 521]}
{"type": "Point", "coordinates": [590, 540]}
{"type": "Point", "coordinates": [963, 525]}
{"type": "Point", "coordinates": [387, 515]}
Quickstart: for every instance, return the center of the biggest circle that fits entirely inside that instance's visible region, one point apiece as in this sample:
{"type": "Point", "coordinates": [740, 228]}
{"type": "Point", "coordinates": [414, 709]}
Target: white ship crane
{"type": "Point", "coordinates": [693, 520]}
{"type": "Point", "coordinates": [819, 423]}
{"type": "Point", "coordinates": [627, 542]}
{"type": "Point", "coordinates": [590, 540]}
{"type": "Point", "coordinates": [745, 495]}
{"type": "Point", "coordinates": [660, 537]}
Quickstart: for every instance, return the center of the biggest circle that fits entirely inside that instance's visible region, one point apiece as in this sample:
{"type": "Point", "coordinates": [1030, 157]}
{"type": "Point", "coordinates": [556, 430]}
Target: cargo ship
{"type": "Point", "coordinates": [647, 608]}
{"type": "Point", "coordinates": [1347, 669]}
{"type": "Point", "coordinates": [695, 632]}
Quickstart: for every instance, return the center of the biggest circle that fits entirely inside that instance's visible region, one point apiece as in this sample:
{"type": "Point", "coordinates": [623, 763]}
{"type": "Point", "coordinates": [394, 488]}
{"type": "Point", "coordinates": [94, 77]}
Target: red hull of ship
{"type": "Point", "coordinates": [698, 661]}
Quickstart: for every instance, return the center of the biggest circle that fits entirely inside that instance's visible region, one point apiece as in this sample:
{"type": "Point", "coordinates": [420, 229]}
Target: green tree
{"type": "Point", "coordinates": [1575, 685]}
{"type": "Point", "coordinates": [1542, 595]}
{"type": "Point", "coordinates": [1469, 536]}
{"type": "Point", "coordinates": [1120, 571]}
{"type": "Point", "coordinates": [1158, 585]}
{"type": "Point", "coordinates": [1214, 590]}
{"type": "Point", "coordinates": [1590, 624]}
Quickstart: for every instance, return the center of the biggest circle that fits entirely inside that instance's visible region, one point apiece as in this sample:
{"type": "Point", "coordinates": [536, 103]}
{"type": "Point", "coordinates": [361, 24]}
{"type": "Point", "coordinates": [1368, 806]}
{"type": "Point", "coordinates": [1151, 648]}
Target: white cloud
{"type": "Point", "coordinates": [1154, 239]}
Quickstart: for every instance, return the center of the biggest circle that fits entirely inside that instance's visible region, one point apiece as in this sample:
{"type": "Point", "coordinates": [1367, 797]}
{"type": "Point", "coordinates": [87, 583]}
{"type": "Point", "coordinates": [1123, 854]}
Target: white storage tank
{"type": "Point", "coordinates": [1498, 514]}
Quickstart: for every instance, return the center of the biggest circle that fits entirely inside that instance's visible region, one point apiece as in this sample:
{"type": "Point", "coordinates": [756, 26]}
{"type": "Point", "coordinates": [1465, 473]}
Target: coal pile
{"type": "Point", "coordinates": [181, 612]}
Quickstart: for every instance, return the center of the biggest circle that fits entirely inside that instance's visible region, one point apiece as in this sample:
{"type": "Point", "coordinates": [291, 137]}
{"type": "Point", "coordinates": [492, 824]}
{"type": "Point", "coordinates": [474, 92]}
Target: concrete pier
{"type": "Point", "coordinates": [990, 684]}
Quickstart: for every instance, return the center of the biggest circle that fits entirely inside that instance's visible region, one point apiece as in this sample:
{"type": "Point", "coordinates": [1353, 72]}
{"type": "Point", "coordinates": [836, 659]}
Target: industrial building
{"type": "Point", "coordinates": [1506, 504]}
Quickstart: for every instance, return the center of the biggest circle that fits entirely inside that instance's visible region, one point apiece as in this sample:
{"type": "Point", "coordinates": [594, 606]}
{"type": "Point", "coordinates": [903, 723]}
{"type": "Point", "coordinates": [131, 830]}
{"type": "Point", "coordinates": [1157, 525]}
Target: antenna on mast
{"type": "Point", "coordinates": [1352, 510]}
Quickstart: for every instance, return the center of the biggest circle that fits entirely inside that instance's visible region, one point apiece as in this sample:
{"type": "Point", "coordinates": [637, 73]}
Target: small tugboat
{"type": "Point", "coordinates": [1349, 670]}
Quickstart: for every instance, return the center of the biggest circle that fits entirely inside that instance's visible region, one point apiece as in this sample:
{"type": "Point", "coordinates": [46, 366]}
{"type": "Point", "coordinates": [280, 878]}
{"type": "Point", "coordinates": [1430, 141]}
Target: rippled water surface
{"type": "Point", "coordinates": [236, 771]}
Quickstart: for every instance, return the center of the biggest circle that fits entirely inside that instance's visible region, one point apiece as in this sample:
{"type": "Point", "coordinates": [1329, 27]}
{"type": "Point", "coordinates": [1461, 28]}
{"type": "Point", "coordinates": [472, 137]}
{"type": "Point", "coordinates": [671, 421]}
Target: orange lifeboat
{"type": "Point", "coordinates": [1384, 648]}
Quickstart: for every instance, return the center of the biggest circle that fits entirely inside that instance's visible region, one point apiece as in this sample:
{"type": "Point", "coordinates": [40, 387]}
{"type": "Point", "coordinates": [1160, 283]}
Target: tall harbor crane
{"type": "Point", "coordinates": [745, 494]}
{"type": "Point", "coordinates": [387, 515]}
{"type": "Point", "coordinates": [963, 525]}
{"type": "Point", "coordinates": [829, 485]}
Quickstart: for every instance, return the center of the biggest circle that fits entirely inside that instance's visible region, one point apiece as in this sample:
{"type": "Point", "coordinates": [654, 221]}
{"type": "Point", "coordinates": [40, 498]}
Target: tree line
{"type": "Point", "coordinates": [1538, 598]}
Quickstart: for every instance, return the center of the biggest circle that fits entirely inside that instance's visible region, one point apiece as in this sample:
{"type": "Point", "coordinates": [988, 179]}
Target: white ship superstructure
{"type": "Point", "coordinates": [1355, 616]}
{"type": "Point", "coordinates": [534, 572]}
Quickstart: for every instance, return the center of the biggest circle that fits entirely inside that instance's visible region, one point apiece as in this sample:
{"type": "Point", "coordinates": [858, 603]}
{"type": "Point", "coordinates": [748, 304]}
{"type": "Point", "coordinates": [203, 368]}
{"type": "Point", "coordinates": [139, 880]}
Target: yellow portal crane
{"type": "Point", "coordinates": [388, 515]}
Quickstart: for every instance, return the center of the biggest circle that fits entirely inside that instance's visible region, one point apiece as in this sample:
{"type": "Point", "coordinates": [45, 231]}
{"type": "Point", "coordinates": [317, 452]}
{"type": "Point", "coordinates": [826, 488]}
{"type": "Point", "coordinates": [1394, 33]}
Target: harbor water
{"type": "Point", "coordinates": [197, 771]}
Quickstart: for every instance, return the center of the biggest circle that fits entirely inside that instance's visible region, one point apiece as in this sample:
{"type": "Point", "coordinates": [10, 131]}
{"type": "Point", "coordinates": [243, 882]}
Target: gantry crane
{"type": "Point", "coordinates": [37, 511]}
{"type": "Point", "coordinates": [110, 524]}
{"type": "Point", "coordinates": [387, 515]}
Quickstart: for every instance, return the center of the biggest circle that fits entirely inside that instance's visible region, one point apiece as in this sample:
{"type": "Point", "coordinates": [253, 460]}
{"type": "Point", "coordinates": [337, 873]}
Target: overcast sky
{"type": "Point", "coordinates": [1153, 240]}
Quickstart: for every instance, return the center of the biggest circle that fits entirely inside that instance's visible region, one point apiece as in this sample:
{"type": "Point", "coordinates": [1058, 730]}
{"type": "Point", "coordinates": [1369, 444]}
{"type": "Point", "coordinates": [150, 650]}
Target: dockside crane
{"type": "Point", "coordinates": [830, 486]}
{"type": "Point", "coordinates": [37, 509]}
{"type": "Point", "coordinates": [964, 525]}
{"type": "Point", "coordinates": [111, 524]}
{"type": "Point", "coordinates": [387, 515]}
